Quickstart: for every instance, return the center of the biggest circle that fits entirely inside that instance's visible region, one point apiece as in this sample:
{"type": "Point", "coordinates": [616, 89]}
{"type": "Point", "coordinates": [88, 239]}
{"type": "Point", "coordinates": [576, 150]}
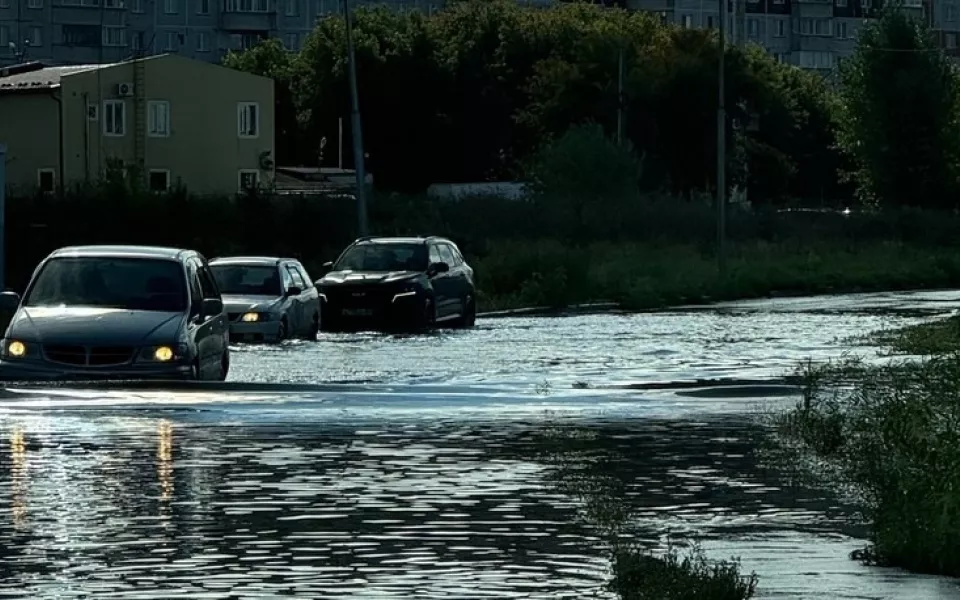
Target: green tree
{"type": "Point", "coordinates": [899, 119]}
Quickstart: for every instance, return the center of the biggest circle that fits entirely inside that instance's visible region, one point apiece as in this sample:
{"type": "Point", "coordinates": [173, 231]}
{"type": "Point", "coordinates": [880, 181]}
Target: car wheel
{"type": "Point", "coordinates": [282, 332]}
{"type": "Point", "coordinates": [224, 366]}
{"type": "Point", "coordinates": [469, 316]}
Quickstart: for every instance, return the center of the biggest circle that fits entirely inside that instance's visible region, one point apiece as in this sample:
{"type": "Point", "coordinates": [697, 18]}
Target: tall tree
{"type": "Point", "coordinates": [899, 116]}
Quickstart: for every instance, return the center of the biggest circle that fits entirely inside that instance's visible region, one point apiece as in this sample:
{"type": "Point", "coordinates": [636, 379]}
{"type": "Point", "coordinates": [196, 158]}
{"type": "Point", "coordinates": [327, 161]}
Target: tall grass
{"type": "Point", "coordinates": [642, 252]}
{"type": "Point", "coordinates": [893, 431]}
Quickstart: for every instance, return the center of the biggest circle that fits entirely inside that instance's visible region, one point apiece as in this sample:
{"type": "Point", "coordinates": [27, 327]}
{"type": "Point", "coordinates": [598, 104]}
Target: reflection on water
{"type": "Point", "coordinates": [434, 509]}
{"type": "Point", "coordinates": [18, 477]}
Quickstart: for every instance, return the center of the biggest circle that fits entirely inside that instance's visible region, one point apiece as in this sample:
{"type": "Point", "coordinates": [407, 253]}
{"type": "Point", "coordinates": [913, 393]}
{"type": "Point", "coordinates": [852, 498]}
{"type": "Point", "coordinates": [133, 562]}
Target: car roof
{"type": "Point", "coordinates": [250, 260]}
{"type": "Point", "coordinates": [414, 239]}
{"type": "Point", "coordinates": [121, 251]}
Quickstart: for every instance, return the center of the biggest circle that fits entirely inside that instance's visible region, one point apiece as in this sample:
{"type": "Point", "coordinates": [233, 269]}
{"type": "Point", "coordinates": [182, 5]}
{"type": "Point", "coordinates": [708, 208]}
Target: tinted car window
{"type": "Point", "coordinates": [308, 283]}
{"type": "Point", "coordinates": [207, 283]}
{"type": "Point", "coordinates": [295, 276]}
{"type": "Point", "coordinates": [383, 257]}
{"type": "Point", "coordinates": [447, 255]}
{"type": "Point", "coordinates": [127, 283]}
{"type": "Point", "coordinates": [247, 280]}
{"type": "Point", "coordinates": [435, 255]}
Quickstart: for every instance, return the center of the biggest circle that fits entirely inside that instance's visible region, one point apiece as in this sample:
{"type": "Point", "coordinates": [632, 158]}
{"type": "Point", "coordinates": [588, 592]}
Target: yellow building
{"type": "Point", "coordinates": [206, 127]}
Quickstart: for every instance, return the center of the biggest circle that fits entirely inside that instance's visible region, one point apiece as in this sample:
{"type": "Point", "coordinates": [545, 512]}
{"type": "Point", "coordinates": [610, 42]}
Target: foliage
{"type": "Point", "coordinates": [471, 92]}
{"type": "Point", "coordinates": [899, 116]}
{"type": "Point", "coordinates": [893, 431]}
{"type": "Point", "coordinates": [639, 575]}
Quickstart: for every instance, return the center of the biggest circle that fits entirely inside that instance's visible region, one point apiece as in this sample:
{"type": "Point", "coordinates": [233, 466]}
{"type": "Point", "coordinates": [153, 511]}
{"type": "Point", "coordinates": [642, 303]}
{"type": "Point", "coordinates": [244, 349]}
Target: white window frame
{"type": "Point", "coordinates": [40, 173]}
{"type": "Point", "coordinates": [781, 29]}
{"type": "Point", "coordinates": [171, 41]}
{"type": "Point", "coordinates": [291, 41]}
{"type": "Point", "coordinates": [241, 173]}
{"type": "Point", "coordinates": [203, 7]}
{"type": "Point", "coordinates": [120, 43]}
{"type": "Point", "coordinates": [106, 119]}
{"type": "Point", "coordinates": [35, 4]}
{"type": "Point", "coordinates": [136, 6]}
{"type": "Point", "coordinates": [243, 117]}
{"type": "Point", "coordinates": [157, 127]}
{"type": "Point", "coordinates": [152, 172]}
{"type": "Point", "coordinates": [203, 42]}
{"type": "Point", "coordinates": [170, 7]}
{"type": "Point", "coordinates": [292, 8]}
{"type": "Point", "coordinates": [36, 36]}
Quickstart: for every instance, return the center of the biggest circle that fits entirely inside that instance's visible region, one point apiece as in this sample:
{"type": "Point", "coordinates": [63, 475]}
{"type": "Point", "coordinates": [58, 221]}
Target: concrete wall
{"type": "Point", "coordinates": [29, 128]}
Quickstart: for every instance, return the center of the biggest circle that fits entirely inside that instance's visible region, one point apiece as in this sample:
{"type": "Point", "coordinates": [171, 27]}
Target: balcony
{"type": "Point", "coordinates": [248, 15]}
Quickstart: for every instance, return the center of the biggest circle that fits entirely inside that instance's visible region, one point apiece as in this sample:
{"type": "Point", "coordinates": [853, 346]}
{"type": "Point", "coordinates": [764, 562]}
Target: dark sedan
{"type": "Point", "coordinates": [389, 283]}
{"type": "Point", "coordinates": [107, 312]}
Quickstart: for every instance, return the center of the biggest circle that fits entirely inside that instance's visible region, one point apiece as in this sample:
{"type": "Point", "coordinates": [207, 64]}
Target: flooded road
{"type": "Point", "coordinates": [444, 466]}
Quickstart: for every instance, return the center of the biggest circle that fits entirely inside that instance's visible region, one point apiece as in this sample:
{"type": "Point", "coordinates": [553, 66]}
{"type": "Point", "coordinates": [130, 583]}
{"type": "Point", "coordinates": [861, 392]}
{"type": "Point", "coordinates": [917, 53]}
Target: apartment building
{"type": "Point", "coordinates": [176, 120]}
{"type": "Point", "coordinates": [813, 34]}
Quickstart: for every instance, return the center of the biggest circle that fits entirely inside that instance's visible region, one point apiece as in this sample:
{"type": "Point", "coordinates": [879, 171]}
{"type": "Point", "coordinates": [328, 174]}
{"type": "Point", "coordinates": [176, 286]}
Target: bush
{"type": "Point", "coordinates": [639, 575]}
{"type": "Point", "coordinates": [892, 431]}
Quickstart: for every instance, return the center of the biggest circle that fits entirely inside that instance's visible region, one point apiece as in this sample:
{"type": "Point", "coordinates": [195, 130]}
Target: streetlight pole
{"type": "Point", "coordinates": [721, 144]}
{"type": "Point", "coordinates": [3, 211]}
{"type": "Point", "coordinates": [358, 159]}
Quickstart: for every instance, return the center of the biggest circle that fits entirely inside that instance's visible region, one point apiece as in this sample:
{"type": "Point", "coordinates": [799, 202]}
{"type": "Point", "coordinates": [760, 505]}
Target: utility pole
{"type": "Point", "coordinates": [358, 159]}
{"type": "Point", "coordinates": [722, 144]}
{"type": "Point", "coordinates": [620, 98]}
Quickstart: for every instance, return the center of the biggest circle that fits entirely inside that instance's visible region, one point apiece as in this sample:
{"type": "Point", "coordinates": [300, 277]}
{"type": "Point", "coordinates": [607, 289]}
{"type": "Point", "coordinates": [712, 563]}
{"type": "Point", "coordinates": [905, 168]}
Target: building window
{"type": "Point", "coordinates": [816, 27]}
{"type": "Point", "coordinates": [136, 41]}
{"type": "Point", "coordinates": [841, 3]}
{"type": "Point", "coordinates": [114, 118]}
{"type": "Point", "coordinates": [113, 3]}
{"type": "Point", "coordinates": [158, 180]}
{"type": "Point", "coordinates": [245, 5]}
{"type": "Point", "coordinates": [158, 118]}
{"type": "Point", "coordinates": [136, 6]}
{"type": "Point", "coordinates": [203, 7]}
{"type": "Point", "coordinates": [688, 21]}
{"type": "Point", "coordinates": [34, 3]}
{"type": "Point", "coordinates": [170, 7]}
{"type": "Point", "coordinates": [753, 28]}
{"type": "Point", "coordinates": [248, 119]}
{"type": "Point", "coordinates": [951, 41]}
{"type": "Point", "coordinates": [248, 180]}
{"type": "Point", "coordinates": [4, 3]}
{"type": "Point", "coordinates": [4, 35]}
{"type": "Point", "coordinates": [781, 29]}
{"type": "Point", "coordinates": [114, 36]}
{"type": "Point", "coordinates": [46, 180]}
{"type": "Point", "coordinates": [291, 41]}
{"type": "Point", "coordinates": [292, 8]}
{"type": "Point", "coordinates": [203, 42]}
{"type": "Point", "coordinates": [36, 37]}
{"type": "Point", "coordinates": [171, 41]}
{"type": "Point", "coordinates": [711, 22]}
{"type": "Point", "coordinates": [951, 12]}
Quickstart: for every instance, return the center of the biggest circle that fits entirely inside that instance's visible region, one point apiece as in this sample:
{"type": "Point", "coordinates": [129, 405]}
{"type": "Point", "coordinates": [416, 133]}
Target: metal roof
{"type": "Point", "coordinates": [119, 251]}
{"type": "Point", "coordinates": [45, 78]}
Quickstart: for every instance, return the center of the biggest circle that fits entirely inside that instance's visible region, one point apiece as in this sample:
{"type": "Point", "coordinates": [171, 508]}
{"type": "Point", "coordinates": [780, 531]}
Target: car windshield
{"type": "Point", "coordinates": [247, 280]}
{"type": "Point", "coordinates": [126, 283]}
{"type": "Point", "coordinates": [383, 257]}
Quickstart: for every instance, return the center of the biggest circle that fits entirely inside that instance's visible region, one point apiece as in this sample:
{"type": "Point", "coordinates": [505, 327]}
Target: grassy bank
{"type": "Point", "coordinates": [641, 252]}
{"type": "Point", "coordinates": [892, 434]}
{"type": "Point", "coordinates": [639, 573]}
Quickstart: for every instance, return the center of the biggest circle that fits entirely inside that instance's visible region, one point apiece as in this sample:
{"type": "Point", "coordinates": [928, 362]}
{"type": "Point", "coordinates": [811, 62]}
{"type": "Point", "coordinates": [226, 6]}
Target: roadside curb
{"type": "Point", "coordinates": [536, 311]}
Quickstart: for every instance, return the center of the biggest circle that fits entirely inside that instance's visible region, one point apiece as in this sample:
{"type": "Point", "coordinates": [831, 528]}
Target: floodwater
{"type": "Point", "coordinates": [452, 465]}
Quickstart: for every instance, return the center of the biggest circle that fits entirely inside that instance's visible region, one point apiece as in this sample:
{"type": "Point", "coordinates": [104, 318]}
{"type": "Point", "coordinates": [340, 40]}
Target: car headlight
{"type": "Point", "coordinates": [254, 317]}
{"type": "Point", "coordinates": [164, 353]}
{"type": "Point", "coordinates": [14, 349]}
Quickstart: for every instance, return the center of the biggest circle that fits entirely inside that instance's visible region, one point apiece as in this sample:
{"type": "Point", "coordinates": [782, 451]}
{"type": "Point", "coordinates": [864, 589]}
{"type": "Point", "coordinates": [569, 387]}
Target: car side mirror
{"type": "Point", "coordinates": [438, 267]}
{"type": "Point", "coordinates": [9, 301]}
{"type": "Point", "coordinates": [211, 307]}
{"type": "Point", "coordinates": [294, 291]}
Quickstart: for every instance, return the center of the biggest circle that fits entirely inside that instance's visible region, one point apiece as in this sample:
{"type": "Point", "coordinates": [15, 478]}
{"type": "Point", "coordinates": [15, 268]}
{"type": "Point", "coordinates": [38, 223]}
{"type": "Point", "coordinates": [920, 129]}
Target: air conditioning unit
{"type": "Point", "coordinates": [124, 90]}
{"type": "Point", "coordinates": [93, 112]}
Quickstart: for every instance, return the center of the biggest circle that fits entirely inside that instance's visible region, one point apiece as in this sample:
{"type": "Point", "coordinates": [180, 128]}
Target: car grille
{"type": "Point", "coordinates": [88, 356]}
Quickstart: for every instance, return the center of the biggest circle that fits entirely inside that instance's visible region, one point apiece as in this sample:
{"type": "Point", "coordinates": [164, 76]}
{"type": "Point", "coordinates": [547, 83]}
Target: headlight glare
{"type": "Point", "coordinates": [163, 354]}
{"type": "Point", "coordinates": [16, 349]}
{"type": "Point", "coordinates": [250, 317]}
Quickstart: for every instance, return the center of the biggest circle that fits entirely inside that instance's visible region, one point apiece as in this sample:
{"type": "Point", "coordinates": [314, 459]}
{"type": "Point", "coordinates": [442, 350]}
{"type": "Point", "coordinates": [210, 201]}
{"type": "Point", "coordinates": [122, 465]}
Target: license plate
{"type": "Point", "coordinates": [357, 312]}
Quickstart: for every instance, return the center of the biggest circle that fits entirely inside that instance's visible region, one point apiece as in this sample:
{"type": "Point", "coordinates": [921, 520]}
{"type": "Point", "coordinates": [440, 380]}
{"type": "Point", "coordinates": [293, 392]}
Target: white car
{"type": "Point", "coordinates": [267, 299]}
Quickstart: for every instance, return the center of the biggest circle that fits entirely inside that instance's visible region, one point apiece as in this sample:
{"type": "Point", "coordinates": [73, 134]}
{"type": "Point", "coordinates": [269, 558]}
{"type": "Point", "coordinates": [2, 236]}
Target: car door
{"type": "Point", "coordinates": [299, 321]}
{"type": "Point", "coordinates": [199, 327]}
{"type": "Point", "coordinates": [457, 275]}
{"type": "Point", "coordinates": [446, 302]}
{"type": "Point", "coordinates": [310, 297]}
{"type": "Point", "coordinates": [219, 324]}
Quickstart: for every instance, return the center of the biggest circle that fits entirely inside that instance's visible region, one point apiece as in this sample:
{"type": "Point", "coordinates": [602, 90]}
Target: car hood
{"type": "Point", "coordinates": [235, 304]}
{"type": "Point", "coordinates": [101, 326]}
{"type": "Point", "coordinates": [353, 277]}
